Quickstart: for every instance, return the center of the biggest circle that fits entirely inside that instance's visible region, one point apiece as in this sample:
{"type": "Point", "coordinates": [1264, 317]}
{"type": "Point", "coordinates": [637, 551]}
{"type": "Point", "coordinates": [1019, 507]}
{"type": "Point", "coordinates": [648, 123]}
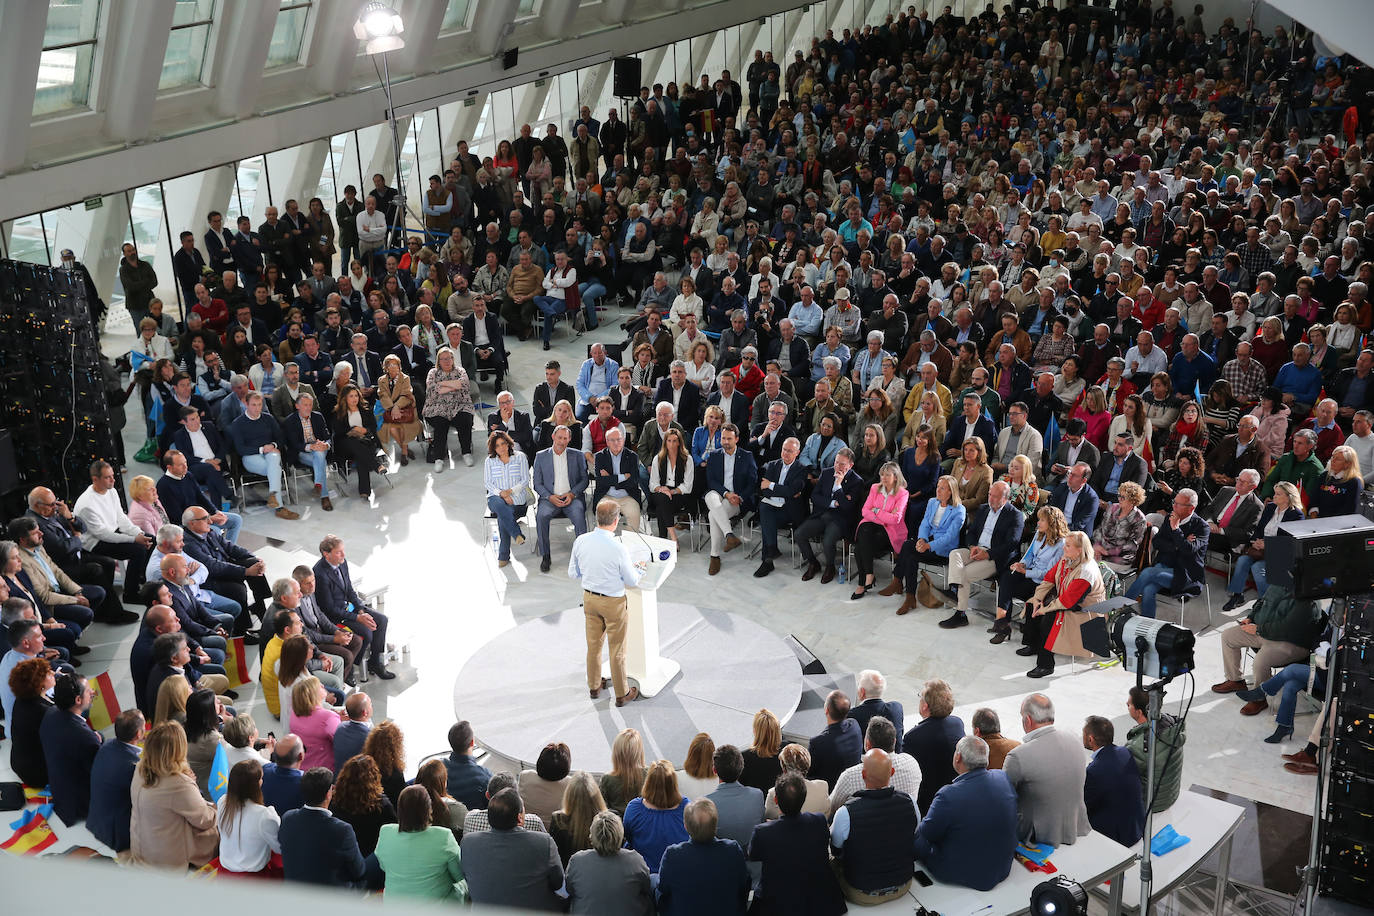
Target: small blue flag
{"type": "Point", "coordinates": [219, 774]}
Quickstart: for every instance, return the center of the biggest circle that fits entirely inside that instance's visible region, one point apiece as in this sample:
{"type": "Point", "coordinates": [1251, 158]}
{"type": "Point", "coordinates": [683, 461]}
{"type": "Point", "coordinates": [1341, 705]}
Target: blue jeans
{"type": "Point", "coordinates": [269, 466]}
{"type": "Point", "coordinates": [318, 462]}
{"type": "Point", "coordinates": [226, 610]}
{"type": "Point", "coordinates": [1290, 682]}
{"type": "Point", "coordinates": [1151, 581]}
{"type": "Point", "coordinates": [506, 523]}
{"type": "Point", "coordinates": [214, 647]}
{"type": "Point", "coordinates": [551, 307]}
{"type": "Point", "coordinates": [591, 291]}
{"type": "Point", "coordinates": [1248, 568]}
{"type": "Point", "coordinates": [233, 523]}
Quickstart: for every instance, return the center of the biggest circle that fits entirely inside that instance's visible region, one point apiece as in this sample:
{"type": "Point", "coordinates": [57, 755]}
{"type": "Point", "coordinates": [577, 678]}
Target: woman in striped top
{"type": "Point", "coordinates": [507, 476]}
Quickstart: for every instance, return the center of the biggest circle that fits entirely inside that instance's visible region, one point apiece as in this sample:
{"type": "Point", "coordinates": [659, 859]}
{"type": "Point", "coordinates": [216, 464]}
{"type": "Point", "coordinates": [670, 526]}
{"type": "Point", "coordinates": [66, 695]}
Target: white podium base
{"type": "Point", "coordinates": [652, 679]}
{"type": "Point", "coordinates": [643, 663]}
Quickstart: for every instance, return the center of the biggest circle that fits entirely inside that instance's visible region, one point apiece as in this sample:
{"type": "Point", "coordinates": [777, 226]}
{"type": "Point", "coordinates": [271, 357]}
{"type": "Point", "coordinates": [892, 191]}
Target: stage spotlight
{"type": "Point", "coordinates": [1059, 896]}
{"type": "Point", "coordinates": [381, 27]}
{"type": "Point", "coordinates": [1156, 648]}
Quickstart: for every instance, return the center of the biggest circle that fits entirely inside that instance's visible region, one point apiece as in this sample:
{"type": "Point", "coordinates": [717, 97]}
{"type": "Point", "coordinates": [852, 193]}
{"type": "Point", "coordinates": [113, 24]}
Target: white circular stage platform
{"type": "Point", "coordinates": [528, 687]}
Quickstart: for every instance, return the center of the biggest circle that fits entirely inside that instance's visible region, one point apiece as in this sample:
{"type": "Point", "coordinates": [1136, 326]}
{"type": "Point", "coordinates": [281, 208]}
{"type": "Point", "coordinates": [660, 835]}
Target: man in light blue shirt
{"type": "Point", "coordinates": [596, 378]}
{"type": "Point", "coordinates": [603, 565]}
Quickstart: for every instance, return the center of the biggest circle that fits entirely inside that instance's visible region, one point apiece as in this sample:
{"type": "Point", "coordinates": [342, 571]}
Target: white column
{"type": "Point", "coordinates": [422, 19]}
{"type": "Point", "coordinates": [695, 65]}
{"type": "Point", "coordinates": [491, 23]}
{"type": "Point", "coordinates": [529, 103]}
{"type": "Point", "coordinates": [190, 199]}
{"type": "Point", "coordinates": [556, 17]}
{"type": "Point", "coordinates": [651, 63]}
{"type": "Point", "coordinates": [296, 172]}
{"type": "Point", "coordinates": [239, 74]}
{"type": "Point", "coordinates": [21, 47]}
{"type": "Point", "coordinates": [133, 77]}
{"type": "Point", "coordinates": [458, 121]}
{"type": "Point", "coordinates": [106, 232]}
{"type": "Point", "coordinates": [743, 52]}
{"type": "Point", "coordinates": [333, 52]}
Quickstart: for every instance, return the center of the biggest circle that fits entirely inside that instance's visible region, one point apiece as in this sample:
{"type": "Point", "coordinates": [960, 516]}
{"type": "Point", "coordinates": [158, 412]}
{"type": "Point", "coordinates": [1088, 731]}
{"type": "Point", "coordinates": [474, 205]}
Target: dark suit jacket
{"type": "Point", "coordinates": [603, 480]}
{"type": "Point", "coordinates": [414, 362]}
{"type": "Point", "coordinates": [1006, 534]}
{"type": "Point", "coordinates": [797, 879]}
{"type": "Point", "coordinates": [1174, 550]}
{"type": "Point", "coordinates": [627, 408]}
{"type": "Point", "coordinates": [874, 706]}
{"type": "Point", "coordinates": [370, 360]}
{"type": "Point", "coordinates": [181, 441]}
{"type": "Point", "coordinates": [798, 354]}
{"type": "Point", "coordinates": [1341, 387]}
{"type": "Point", "coordinates": [853, 491]}
{"type": "Point", "coordinates": [791, 488]}
{"type": "Point", "coordinates": [709, 877]}
{"type": "Point", "coordinates": [739, 409]}
{"type": "Point", "coordinates": [689, 404]}
{"type": "Point", "coordinates": [494, 335]}
{"type": "Point", "coordinates": [836, 749]}
{"type": "Point", "coordinates": [70, 746]}
{"type": "Point", "coordinates": [1111, 791]}
{"type": "Point", "coordinates": [932, 743]}
{"type": "Point", "coordinates": [1133, 470]}
{"type": "Point", "coordinates": [293, 434]}
{"type": "Point", "coordinates": [222, 559]}
{"type": "Point", "coordinates": [773, 451]}
{"type": "Point", "coordinates": [281, 788]}
{"type": "Point", "coordinates": [1084, 510]}
{"type": "Point", "coordinates": [195, 618]}
{"type": "Point", "coordinates": [318, 848]}
{"type": "Point", "coordinates": [111, 775]}
{"type": "Point", "coordinates": [520, 430]}
{"type": "Point", "coordinates": [968, 835]}
{"type": "Point", "coordinates": [541, 404]}
{"type": "Point", "coordinates": [746, 479]}
{"type": "Point", "coordinates": [1243, 519]}
{"type": "Point", "coordinates": [334, 596]}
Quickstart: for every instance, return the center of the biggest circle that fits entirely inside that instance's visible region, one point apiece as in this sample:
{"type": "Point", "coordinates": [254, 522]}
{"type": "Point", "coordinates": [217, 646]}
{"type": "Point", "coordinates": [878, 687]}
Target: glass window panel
{"type": "Point", "coordinates": [71, 21]}
{"type": "Point", "coordinates": [64, 79]}
{"type": "Point", "coordinates": [245, 201]}
{"type": "Point", "coordinates": [192, 11]}
{"type": "Point", "coordinates": [526, 9]}
{"type": "Point", "coordinates": [146, 215]}
{"type": "Point", "coordinates": [287, 34]}
{"type": "Point", "coordinates": [185, 57]}
{"type": "Point", "coordinates": [26, 240]}
{"type": "Point", "coordinates": [455, 16]}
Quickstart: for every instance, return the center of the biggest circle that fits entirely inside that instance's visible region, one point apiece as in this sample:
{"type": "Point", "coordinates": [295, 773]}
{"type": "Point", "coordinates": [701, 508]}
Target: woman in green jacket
{"type": "Point", "coordinates": [420, 859]}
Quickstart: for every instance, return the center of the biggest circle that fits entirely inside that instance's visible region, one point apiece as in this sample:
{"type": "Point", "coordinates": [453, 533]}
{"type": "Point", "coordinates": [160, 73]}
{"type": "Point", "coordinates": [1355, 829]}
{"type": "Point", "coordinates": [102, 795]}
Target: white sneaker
{"type": "Point", "coordinates": [467, 459]}
{"type": "Point", "coordinates": [438, 466]}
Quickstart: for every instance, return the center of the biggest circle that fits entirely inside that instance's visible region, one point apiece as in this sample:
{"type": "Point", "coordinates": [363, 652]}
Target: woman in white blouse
{"type": "Point", "coordinates": [507, 476]}
{"type": "Point", "coordinates": [686, 303]}
{"type": "Point", "coordinates": [248, 841]}
{"type": "Point", "coordinates": [266, 374]}
{"type": "Point", "coordinates": [701, 370]}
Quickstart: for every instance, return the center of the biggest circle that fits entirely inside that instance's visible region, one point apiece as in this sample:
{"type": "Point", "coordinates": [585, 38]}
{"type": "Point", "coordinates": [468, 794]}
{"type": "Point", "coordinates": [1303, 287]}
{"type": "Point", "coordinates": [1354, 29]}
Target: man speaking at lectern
{"type": "Point", "coordinates": [603, 564]}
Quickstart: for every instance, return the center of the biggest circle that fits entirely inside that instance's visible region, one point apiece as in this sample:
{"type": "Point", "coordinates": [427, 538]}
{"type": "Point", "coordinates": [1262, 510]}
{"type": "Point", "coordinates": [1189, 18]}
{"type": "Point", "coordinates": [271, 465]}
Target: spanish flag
{"type": "Point", "coordinates": [236, 662]}
{"type": "Point", "coordinates": [104, 703]}
{"type": "Point", "coordinates": [32, 836]}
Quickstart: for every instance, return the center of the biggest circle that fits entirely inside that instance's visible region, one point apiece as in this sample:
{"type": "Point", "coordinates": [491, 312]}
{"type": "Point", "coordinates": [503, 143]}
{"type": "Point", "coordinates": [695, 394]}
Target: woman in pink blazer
{"type": "Point", "coordinates": [313, 722]}
{"type": "Point", "coordinates": [145, 509]}
{"type": "Point", "coordinates": [882, 526]}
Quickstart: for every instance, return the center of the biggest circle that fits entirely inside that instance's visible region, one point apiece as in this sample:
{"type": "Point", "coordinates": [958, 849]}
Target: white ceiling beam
{"type": "Point", "coordinates": [422, 19]}
{"type": "Point", "coordinates": [333, 50]}
{"type": "Point", "coordinates": [21, 49]}
{"type": "Point", "coordinates": [131, 81]}
{"type": "Point", "coordinates": [614, 11]}
{"type": "Point", "coordinates": [492, 24]}
{"type": "Point", "coordinates": [250, 24]}
{"type": "Point", "coordinates": [556, 17]}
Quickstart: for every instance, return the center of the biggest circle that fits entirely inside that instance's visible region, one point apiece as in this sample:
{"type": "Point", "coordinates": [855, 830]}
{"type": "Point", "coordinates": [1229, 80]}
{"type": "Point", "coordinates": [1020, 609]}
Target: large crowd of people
{"type": "Point", "coordinates": [1031, 303]}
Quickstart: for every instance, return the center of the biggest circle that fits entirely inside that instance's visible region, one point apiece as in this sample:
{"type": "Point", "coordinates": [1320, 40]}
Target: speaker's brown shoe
{"type": "Point", "coordinates": [630, 696]}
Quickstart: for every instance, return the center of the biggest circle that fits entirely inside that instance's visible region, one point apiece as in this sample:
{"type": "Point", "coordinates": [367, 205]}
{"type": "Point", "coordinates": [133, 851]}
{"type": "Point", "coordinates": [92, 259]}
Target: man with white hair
{"type": "Point", "coordinates": [1047, 772]}
{"type": "Point", "coordinates": [1232, 514]}
{"type": "Point", "coordinates": [868, 363]}
{"type": "Point", "coordinates": [968, 835]}
{"type": "Point", "coordinates": [616, 475]}
{"type": "Point", "coordinates": [871, 703]}
{"type": "Point", "coordinates": [1179, 547]}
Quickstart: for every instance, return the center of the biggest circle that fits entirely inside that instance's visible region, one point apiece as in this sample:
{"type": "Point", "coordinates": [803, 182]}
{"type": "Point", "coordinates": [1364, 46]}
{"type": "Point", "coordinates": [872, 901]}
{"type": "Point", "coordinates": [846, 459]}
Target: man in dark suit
{"type": "Point", "coordinates": [551, 392]}
{"type": "Point", "coordinates": [317, 847]}
{"type": "Point", "coordinates": [1218, 342]}
{"type": "Point", "coordinates": [615, 474]}
{"type": "Point", "coordinates": [835, 503]}
{"type": "Point", "coordinates": [840, 746]}
{"type": "Point", "coordinates": [682, 394]}
{"type": "Point", "coordinates": [768, 434]}
{"type": "Point", "coordinates": [1076, 499]}
{"type": "Point", "coordinates": [970, 423]}
{"type": "Point", "coordinates": [1235, 453]}
{"type": "Point", "coordinates": [1118, 467]}
{"type": "Point", "coordinates": [706, 874]}
{"type": "Point", "coordinates": [1179, 546]}
{"type": "Point", "coordinates": [414, 362]}
{"type": "Point", "coordinates": [489, 343]}
{"type": "Point", "coordinates": [367, 366]}
{"type": "Point", "coordinates": [794, 854]}
{"type": "Point", "coordinates": [111, 776]}
{"type": "Point", "coordinates": [198, 622]}
{"type": "Point", "coordinates": [353, 731]}
{"type": "Point", "coordinates": [336, 597]}
{"type": "Point", "coordinates": [968, 834]}
{"type": "Point", "coordinates": [1073, 448]}
{"type": "Point", "coordinates": [931, 742]}
{"type": "Point", "coordinates": [1111, 788]}
{"type": "Point", "coordinates": [781, 500]}
{"type": "Point", "coordinates": [993, 535]}
{"type": "Point", "coordinates": [233, 571]}
{"type": "Point", "coordinates": [69, 746]}
{"type": "Point", "coordinates": [732, 486]}
{"type": "Point", "coordinates": [515, 422]}
{"type": "Point", "coordinates": [1232, 515]}
{"type": "Point", "coordinates": [199, 669]}
{"type": "Point", "coordinates": [871, 703]}
{"type": "Point", "coordinates": [729, 399]}
{"type": "Point", "coordinates": [313, 454]}
{"type": "Point", "coordinates": [281, 778]}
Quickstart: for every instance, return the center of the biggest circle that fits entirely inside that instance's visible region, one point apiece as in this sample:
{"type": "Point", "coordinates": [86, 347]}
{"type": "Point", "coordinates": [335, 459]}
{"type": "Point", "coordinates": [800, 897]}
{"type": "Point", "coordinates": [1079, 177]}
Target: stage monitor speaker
{"type": "Point", "coordinates": [510, 59]}
{"type": "Point", "coordinates": [626, 77]}
{"type": "Point", "coordinates": [1322, 557]}
{"type": "Point", "coordinates": [809, 662]}
{"type": "Point", "coordinates": [9, 467]}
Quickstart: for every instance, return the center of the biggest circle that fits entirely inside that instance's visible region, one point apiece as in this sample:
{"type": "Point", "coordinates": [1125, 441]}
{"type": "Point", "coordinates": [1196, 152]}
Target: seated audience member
{"type": "Point", "coordinates": [170, 826]}
{"type": "Point", "coordinates": [281, 776]}
{"type": "Point", "coordinates": [705, 874]}
{"type": "Point", "coordinates": [738, 808]}
{"type": "Point", "coordinates": [569, 825]}
{"type": "Point", "coordinates": [968, 835]}
{"type": "Point", "coordinates": [476, 820]}
{"type": "Point", "coordinates": [761, 764]}
{"type": "Point", "coordinates": [871, 686]}
{"type": "Point", "coordinates": [1171, 732]}
{"type": "Point", "coordinates": [731, 490]}
{"type": "Point", "coordinates": [515, 422]}
{"type": "Point", "coordinates": [931, 742]}
{"type": "Point", "coordinates": [882, 528]}
{"type": "Point", "coordinates": [835, 502]}
{"type": "Point", "coordinates": [258, 440]}
{"type": "Point", "coordinates": [794, 856]}
{"type": "Point", "coordinates": [29, 682]}
{"type": "Point", "coordinates": [988, 726]}
{"type": "Point", "coordinates": [63, 540]}
{"type": "Point", "coordinates": [509, 865]}
{"type": "Point", "coordinates": [109, 532]}
{"type": "Point", "coordinates": [1285, 506]}
{"type": "Point", "coordinates": [385, 744]}
{"type": "Point", "coordinates": [248, 842]}
{"type": "Point", "coordinates": [467, 779]}
{"type": "Point", "coordinates": [69, 746]}
{"type": "Point", "coordinates": [1073, 448]}
{"type": "Point", "coordinates": [316, 846]}
{"type": "Point", "coordinates": [112, 774]}
{"type": "Point", "coordinates": [1179, 544]}
{"type": "Point", "coordinates": [653, 821]}
{"type": "Point", "coordinates": [840, 745]}
{"type": "Point", "coordinates": [307, 444]}
{"type": "Point", "coordinates": [1337, 491]}
{"type": "Point", "coordinates": [352, 731]}
{"type": "Point", "coordinates": [882, 735]}
{"type": "Point", "coordinates": [1115, 808]}
{"type": "Point", "coordinates": [1047, 773]}
{"type": "Point", "coordinates": [781, 500]}
{"type": "Point", "coordinates": [994, 537]}
{"type": "Point", "coordinates": [1076, 499]}
{"type": "Point", "coordinates": [336, 648]}
{"type": "Point", "coordinates": [1120, 465]}
{"type": "Point", "coordinates": [616, 475]}
{"type": "Point", "coordinates": [179, 488]}
{"type": "Point", "coordinates": [336, 597]}
{"type": "Point", "coordinates": [1280, 629]}
{"type": "Point", "coordinates": [796, 759]}
{"type": "Point", "coordinates": [560, 480]}
{"type": "Point", "coordinates": [204, 716]}
{"type": "Point", "coordinates": [542, 789]}
{"type": "Point", "coordinates": [360, 802]}
{"type": "Point", "coordinates": [420, 858]}
{"type": "Point", "coordinates": [931, 543]}
{"type": "Point", "coordinates": [871, 836]}
{"type": "Point", "coordinates": [607, 878]}
{"type": "Point", "coordinates": [1053, 624]}
{"type": "Point", "coordinates": [233, 571]}
{"type": "Point", "coordinates": [313, 722]}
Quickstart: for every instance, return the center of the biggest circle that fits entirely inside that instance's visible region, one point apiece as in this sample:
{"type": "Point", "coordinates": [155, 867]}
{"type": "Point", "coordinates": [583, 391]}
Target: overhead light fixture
{"type": "Point", "coordinates": [381, 27]}
{"type": "Point", "coordinates": [1059, 896]}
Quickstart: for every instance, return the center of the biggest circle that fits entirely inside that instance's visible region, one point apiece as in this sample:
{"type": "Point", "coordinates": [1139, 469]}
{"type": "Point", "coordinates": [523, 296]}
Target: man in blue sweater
{"type": "Point", "coordinates": [968, 836]}
{"type": "Point", "coordinates": [179, 491]}
{"type": "Point", "coordinates": [257, 438]}
{"type": "Point", "coordinates": [706, 874]}
{"type": "Point", "coordinates": [1300, 381]}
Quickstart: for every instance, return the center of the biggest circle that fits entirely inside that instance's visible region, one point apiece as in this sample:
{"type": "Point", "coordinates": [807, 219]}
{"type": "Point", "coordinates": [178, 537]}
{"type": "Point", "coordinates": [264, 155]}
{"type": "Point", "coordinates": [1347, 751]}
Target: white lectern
{"type": "Point", "coordinates": [655, 558]}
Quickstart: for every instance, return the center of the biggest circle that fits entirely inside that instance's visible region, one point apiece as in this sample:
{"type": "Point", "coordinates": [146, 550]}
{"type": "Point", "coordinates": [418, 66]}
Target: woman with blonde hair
{"type": "Point", "coordinates": [171, 701]}
{"type": "Point", "coordinates": [570, 824]}
{"type": "Point", "coordinates": [972, 474]}
{"type": "Point", "coordinates": [145, 509]}
{"type": "Point", "coordinates": [797, 760]}
{"type": "Point", "coordinates": [698, 778]}
{"type": "Point", "coordinates": [313, 722]}
{"type": "Point", "coordinates": [1284, 506]}
{"type": "Point", "coordinates": [1118, 537]}
{"type": "Point", "coordinates": [627, 771]}
{"type": "Point", "coordinates": [170, 825]}
{"type": "Point", "coordinates": [1073, 584]}
{"type": "Point", "coordinates": [882, 528]}
{"type": "Point", "coordinates": [400, 420]}
{"type": "Point", "coordinates": [448, 405]}
{"type": "Point", "coordinates": [761, 764]}
{"type": "Point", "coordinates": [930, 412]}
{"type": "Point", "coordinates": [1020, 580]}
{"type": "Point", "coordinates": [936, 536]}
{"type": "Point", "coordinates": [1338, 490]}
{"type": "Point", "coordinates": [653, 821]}
{"type": "Point", "coordinates": [561, 415]}
{"type": "Point", "coordinates": [1024, 493]}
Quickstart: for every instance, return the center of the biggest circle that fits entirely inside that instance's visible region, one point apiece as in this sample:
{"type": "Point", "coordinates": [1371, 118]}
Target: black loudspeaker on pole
{"type": "Point", "coordinates": [626, 78]}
